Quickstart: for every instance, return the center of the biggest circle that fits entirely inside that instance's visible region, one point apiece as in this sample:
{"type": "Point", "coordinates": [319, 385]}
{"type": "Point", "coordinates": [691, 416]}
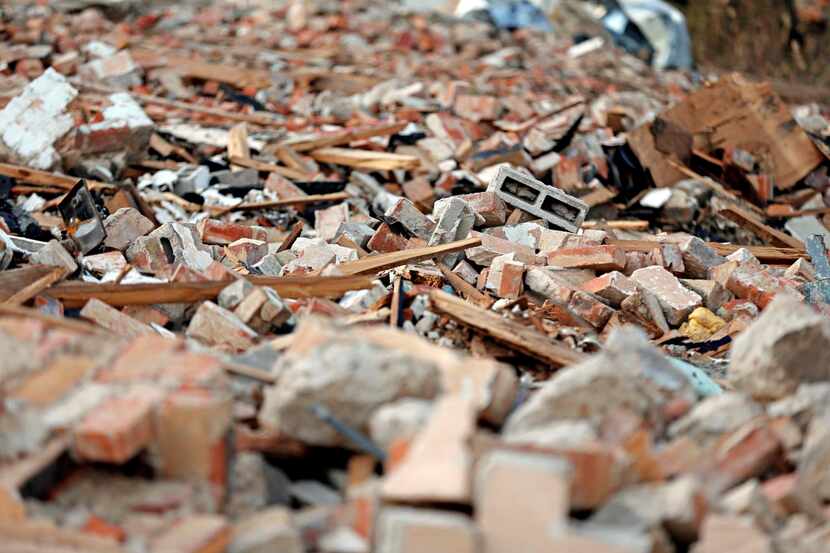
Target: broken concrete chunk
{"type": "Point", "coordinates": [34, 123]}
{"type": "Point", "coordinates": [787, 345]}
{"type": "Point", "coordinates": [400, 420]}
{"type": "Point", "coordinates": [169, 244]}
{"type": "Point", "coordinates": [361, 376]}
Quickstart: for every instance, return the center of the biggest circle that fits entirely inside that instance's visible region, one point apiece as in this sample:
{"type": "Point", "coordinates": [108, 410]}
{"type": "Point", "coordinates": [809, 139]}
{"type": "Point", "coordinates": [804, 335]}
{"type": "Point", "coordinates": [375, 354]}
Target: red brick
{"type": "Point", "coordinates": [613, 286]}
{"type": "Point", "coordinates": [218, 232]}
{"type": "Point", "coordinates": [117, 429]}
{"type": "Point", "coordinates": [590, 309]}
{"type": "Point", "coordinates": [477, 108]}
{"type": "Point", "coordinates": [600, 258]}
{"type": "Point", "coordinates": [489, 206]}
{"type": "Point", "coordinates": [506, 277]}
{"type": "Point", "coordinates": [741, 455]}
{"type": "Point", "coordinates": [384, 240]}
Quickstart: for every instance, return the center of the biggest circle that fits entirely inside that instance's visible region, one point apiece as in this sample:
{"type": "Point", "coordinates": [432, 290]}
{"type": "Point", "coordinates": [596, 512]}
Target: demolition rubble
{"type": "Point", "coordinates": [342, 277]}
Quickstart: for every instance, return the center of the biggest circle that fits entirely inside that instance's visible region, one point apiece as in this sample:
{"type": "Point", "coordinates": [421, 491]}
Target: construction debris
{"type": "Point", "coordinates": [347, 277]}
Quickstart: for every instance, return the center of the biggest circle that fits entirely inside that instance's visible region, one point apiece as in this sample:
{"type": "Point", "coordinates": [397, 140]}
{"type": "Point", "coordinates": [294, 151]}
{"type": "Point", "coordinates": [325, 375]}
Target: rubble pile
{"type": "Point", "coordinates": [343, 277]}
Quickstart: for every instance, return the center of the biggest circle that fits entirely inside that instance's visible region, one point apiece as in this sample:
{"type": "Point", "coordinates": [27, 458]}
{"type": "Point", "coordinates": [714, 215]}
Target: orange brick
{"type": "Point", "coordinates": [142, 360]}
{"type": "Point", "coordinates": [600, 258]}
{"type": "Point", "coordinates": [117, 429]}
{"type": "Point", "coordinates": [191, 436]}
{"type": "Point", "coordinates": [52, 383]}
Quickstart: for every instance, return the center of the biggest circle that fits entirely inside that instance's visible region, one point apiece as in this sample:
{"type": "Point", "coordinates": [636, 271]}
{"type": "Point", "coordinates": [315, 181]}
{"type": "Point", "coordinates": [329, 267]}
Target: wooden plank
{"type": "Point", "coordinates": [45, 178]}
{"type": "Point", "coordinates": [234, 75]}
{"type": "Point", "coordinates": [271, 168]}
{"type": "Point", "coordinates": [771, 236]}
{"type": "Point", "coordinates": [395, 311]}
{"type": "Point", "coordinates": [376, 263]}
{"type": "Point", "coordinates": [22, 296]}
{"type": "Point", "coordinates": [296, 231]}
{"type": "Point", "coordinates": [765, 254]}
{"type": "Point", "coordinates": [463, 287]}
{"type": "Point", "coordinates": [74, 325]}
{"type": "Point", "coordinates": [516, 336]}
{"type": "Point", "coordinates": [15, 280]}
{"type": "Point", "coordinates": [238, 142]}
{"type": "Point", "coordinates": [366, 160]}
{"type": "Point", "coordinates": [77, 294]}
{"type": "Point", "coordinates": [299, 200]}
{"type": "Point", "coordinates": [343, 137]}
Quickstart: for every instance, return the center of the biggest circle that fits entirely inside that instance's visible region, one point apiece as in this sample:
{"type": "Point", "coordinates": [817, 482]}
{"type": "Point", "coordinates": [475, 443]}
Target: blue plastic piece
{"type": "Point", "coordinates": [703, 385]}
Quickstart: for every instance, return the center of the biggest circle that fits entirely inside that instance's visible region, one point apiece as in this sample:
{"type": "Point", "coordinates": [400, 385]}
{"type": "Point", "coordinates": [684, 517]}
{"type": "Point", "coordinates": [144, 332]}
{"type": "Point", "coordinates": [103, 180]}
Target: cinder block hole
{"type": "Point", "coordinates": [519, 190]}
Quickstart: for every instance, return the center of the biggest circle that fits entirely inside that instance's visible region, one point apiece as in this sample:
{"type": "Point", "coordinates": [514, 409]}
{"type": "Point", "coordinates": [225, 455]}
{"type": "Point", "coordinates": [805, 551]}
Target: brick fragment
{"type": "Point", "coordinates": [217, 326]}
{"type": "Point", "coordinates": [477, 108]}
{"type": "Point", "coordinates": [614, 287]}
{"type": "Point", "coordinates": [698, 257]}
{"type": "Point", "coordinates": [192, 428]}
{"type": "Point", "coordinates": [124, 128]}
{"type": "Point", "coordinates": [117, 429]}
{"type": "Point", "coordinates": [590, 309]}
{"type": "Point", "coordinates": [506, 277]}
{"type": "Point", "coordinates": [714, 295]}
{"type": "Point", "coordinates": [492, 247]}
{"type": "Point", "coordinates": [112, 319]}
{"type": "Point", "coordinates": [118, 70]}
{"type": "Point", "coordinates": [668, 256]}
{"type": "Point", "coordinates": [54, 255]}
{"type": "Point", "coordinates": [549, 284]}
{"type": "Point", "coordinates": [438, 466]}
{"type": "Point", "coordinates": [410, 217]}
{"type": "Point", "coordinates": [521, 500]}
{"type": "Point", "coordinates": [194, 534]}
{"type": "Point", "coordinates": [269, 530]}
{"type": "Point", "coordinates": [327, 221]}
{"type": "Point", "coordinates": [403, 530]}
{"type": "Point", "coordinates": [168, 245]}
{"type": "Point", "coordinates": [282, 187]}
{"type": "Point", "coordinates": [677, 302]}
{"type": "Point", "coordinates": [213, 231]}
{"type": "Point", "coordinates": [124, 226]}
{"type": "Point", "coordinates": [384, 240]}
{"type": "Point", "coordinates": [488, 206]}
{"type": "Point", "coordinates": [732, 533]}
{"type": "Point", "coordinates": [600, 258]}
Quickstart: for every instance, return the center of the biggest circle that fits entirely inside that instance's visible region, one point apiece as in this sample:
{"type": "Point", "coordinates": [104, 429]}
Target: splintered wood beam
{"type": "Point", "coordinates": [771, 236]}
{"type": "Point", "coordinates": [469, 291]}
{"type": "Point", "coordinates": [375, 263]}
{"type": "Point", "coordinates": [343, 137]}
{"type": "Point", "coordinates": [366, 160]}
{"type": "Point", "coordinates": [45, 178]}
{"type": "Point", "coordinates": [76, 295]}
{"type": "Point", "coordinates": [299, 200]}
{"type": "Point", "coordinates": [265, 167]}
{"type": "Point", "coordinates": [765, 254]}
{"type": "Point", "coordinates": [516, 336]}
{"type": "Point", "coordinates": [36, 287]}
